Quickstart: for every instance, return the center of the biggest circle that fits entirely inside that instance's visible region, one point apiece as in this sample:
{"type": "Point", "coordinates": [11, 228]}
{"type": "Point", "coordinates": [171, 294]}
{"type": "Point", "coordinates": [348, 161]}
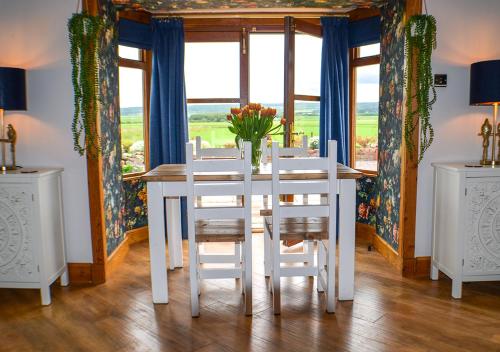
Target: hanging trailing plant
{"type": "Point", "coordinates": [84, 33]}
{"type": "Point", "coordinates": [419, 83]}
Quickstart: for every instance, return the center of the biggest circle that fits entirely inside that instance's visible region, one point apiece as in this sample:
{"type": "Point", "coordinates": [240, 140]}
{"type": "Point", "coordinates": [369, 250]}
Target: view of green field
{"type": "Point", "coordinates": [212, 126]}
{"type": "Point", "coordinates": [209, 122]}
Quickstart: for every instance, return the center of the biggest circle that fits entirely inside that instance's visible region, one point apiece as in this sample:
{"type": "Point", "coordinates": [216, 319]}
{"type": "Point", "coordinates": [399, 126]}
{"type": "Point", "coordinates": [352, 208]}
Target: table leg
{"type": "Point", "coordinates": [347, 218]}
{"type": "Point", "coordinates": [174, 232]}
{"type": "Point", "coordinates": [157, 243]}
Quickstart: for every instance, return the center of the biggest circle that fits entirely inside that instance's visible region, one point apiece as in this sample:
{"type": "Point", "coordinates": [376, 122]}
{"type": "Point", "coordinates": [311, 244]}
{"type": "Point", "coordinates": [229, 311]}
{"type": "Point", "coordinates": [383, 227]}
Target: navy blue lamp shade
{"type": "Point", "coordinates": [485, 83]}
{"type": "Point", "coordinates": [12, 88]}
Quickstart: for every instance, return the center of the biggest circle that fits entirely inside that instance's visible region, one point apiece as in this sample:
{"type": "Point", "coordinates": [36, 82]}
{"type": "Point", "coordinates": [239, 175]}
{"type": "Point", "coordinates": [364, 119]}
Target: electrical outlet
{"type": "Point", "coordinates": [440, 80]}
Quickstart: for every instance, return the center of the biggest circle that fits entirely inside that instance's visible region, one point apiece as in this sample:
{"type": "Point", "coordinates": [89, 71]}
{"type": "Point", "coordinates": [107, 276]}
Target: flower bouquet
{"type": "Point", "coordinates": [252, 123]}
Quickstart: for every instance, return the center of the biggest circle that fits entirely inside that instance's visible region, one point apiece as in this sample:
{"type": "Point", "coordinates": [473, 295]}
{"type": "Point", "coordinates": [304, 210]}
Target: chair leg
{"type": "Point", "coordinates": [237, 254]}
{"type": "Point", "coordinates": [321, 265]}
{"type": "Point", "coordinates": [330, 281]}
{"type": "Point", "coordinates": [267, 253]}
{"type": "Point", "coordinates": [308, 247]}
{"type": "Point", "coordinates": [193, 278]}
{"type": "Point", "coordinates": [247, 249]}
{"type": "Point", "coordinates": [276, 279]}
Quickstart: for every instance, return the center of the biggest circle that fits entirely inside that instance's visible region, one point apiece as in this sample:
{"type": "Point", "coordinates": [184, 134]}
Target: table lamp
{"type": "Point", "coordinates": [485, 90]}
{"type": "Point", "coordinates": [12, 97]}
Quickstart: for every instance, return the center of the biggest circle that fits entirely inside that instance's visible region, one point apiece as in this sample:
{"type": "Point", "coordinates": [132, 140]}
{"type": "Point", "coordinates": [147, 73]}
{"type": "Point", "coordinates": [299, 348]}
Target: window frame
{"type": "Point", "coordinates": [144, 64]}
{"type": "Point", "coordinates": [239, 29]}
{"type": "Point", "coordinates": [356, 61]}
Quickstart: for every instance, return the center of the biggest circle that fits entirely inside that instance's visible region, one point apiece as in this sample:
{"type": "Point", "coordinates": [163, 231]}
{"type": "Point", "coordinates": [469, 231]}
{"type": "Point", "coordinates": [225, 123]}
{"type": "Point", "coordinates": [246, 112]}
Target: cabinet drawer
{"type": "Point", "coordinates": [17, 258]}
{"type": "Point", "coordinates": [482, 227]}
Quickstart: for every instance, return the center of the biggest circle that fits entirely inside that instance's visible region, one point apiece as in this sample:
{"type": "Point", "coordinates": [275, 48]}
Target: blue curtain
{"type": "Point", "coordinates": [134, 34]}
{"type": "Point", "coordinates": [364, 32]}
{"type": "Point", "coordinates": [334, 104]}
{"type": "Point", "coordinates": [168, 131]}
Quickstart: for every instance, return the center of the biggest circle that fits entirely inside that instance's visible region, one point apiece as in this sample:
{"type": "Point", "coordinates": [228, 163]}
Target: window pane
{"type": "Point", "coordinates": [212, 70]}
{"type": "Point", "coordinates": [267, 73]}
{"type": "Point", "coordinates": [307, 123]}
{"type": "Point", "coordinates": [307, 64]}
{"type": "Point", "coordinates": [127, 52]}
{"type": "Point", "coordinates": [369, 50]}
{"type": "Point", "coordinates": [367, 97]}
{"type": "Point", "coordinates": [132, 119]}
{"type": "Point", "coordinates": [209, 122]}
{"type": "Point", "coordinates": [267, 69]}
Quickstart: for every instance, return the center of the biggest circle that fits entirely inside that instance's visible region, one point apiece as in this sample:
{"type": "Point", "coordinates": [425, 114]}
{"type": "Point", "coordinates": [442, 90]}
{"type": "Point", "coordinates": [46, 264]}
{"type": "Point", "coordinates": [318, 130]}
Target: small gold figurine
{"type": "Point", "coordinates": [12, 136]}
{"type": "Point", "coordinates": [486, 130]}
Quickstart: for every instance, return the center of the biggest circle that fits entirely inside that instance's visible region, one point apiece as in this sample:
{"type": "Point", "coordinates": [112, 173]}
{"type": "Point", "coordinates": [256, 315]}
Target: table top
{"type": "Point", "coordinates": [177, 173]}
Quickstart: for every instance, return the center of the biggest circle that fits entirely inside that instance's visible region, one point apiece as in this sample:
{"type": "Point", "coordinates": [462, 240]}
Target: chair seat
{"type": "Point", "coordinates": [220, 230]}
{"type": "Point", "coordinates": [308, 228]}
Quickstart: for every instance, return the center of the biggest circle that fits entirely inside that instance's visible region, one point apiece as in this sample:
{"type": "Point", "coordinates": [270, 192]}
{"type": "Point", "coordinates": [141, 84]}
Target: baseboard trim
{"type": "Point", "coordinates": [80, 273]}
{"type": "Point", "coordinates": [140, 234]}
{"type": "Point", "coordinates": [365, 231]}
{"type": "Point", "coordinates": [386, 250]}
{"type": "Point", "coordinates": [417, 267]}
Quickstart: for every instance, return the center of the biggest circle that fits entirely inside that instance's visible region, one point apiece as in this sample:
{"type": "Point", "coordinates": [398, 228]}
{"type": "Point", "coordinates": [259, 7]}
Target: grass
{"type": "Point", "coordinates": [217, 134]}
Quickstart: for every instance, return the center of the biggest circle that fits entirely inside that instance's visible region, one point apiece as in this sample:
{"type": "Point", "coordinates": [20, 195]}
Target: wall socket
{"type": "Point", "coordinates": [440, 80]}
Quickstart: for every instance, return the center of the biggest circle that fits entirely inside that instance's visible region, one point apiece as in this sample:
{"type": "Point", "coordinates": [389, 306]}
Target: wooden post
{"type": "Point", "coordinates": [409, 174]}
{"type": "Point", "coordinates": [96, 194]}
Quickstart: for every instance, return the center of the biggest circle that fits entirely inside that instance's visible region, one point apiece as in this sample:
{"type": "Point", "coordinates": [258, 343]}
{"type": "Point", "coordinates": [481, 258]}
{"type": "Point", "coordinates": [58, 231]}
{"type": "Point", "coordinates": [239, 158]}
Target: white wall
{"type": "Point", "coordinates": [468, 31]}
{"type": "Point", "coordinates": [33, 36]}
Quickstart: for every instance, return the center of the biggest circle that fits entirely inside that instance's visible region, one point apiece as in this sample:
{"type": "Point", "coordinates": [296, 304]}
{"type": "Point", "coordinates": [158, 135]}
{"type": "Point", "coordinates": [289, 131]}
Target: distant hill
{"type": "Point", "coordinates": [195, 111]}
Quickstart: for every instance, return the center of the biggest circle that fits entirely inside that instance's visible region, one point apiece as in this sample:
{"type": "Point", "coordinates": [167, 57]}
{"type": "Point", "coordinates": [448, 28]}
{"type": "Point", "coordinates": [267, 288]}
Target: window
{"type": "Point", "coordinates": [212, 71]}
{"type": "Point", "coordinates": [229, 67]}
{"type": "Point", "coordinates": [307, 89]}
{"type": "Point", "coordinates": [134, 99]}
{"type": "Point", "coordinates": [365, 70]}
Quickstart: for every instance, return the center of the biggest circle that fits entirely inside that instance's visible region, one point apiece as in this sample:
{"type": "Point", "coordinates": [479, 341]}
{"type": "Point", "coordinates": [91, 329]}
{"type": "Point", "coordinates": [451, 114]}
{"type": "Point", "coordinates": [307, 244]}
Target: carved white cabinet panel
{"type": "Point", "coordinates": [32, 253]}
{"type": "Point", "coordinates": [466, 224]}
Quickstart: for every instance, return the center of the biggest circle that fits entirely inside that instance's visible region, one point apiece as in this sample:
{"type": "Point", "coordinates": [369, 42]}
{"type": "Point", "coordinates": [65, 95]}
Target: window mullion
{"type": "Point", "coordinates": [289, 75]}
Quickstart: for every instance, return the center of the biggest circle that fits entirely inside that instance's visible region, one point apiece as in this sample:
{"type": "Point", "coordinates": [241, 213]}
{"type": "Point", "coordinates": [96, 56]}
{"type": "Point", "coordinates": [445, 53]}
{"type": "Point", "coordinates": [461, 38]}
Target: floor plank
{"type": "Point", "coordinates": [389, 313]}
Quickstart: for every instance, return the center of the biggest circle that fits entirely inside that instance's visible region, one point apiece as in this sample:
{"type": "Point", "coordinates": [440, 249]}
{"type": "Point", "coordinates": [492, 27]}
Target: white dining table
{"type": "Point", "coordinates": [167, 183]}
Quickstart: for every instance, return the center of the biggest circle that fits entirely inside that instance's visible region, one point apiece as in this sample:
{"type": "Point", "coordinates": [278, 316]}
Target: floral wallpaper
{"type": "Point", "coordinates": [180, 5]}
{"type": "Point", "coordinates": [387, 185]}
{"type": "Point", "coordinates": [110, 129]}
{"type": "Point", "coordinates": [366, 201]}
{"type": "Point", "coordinates": [135, 194]}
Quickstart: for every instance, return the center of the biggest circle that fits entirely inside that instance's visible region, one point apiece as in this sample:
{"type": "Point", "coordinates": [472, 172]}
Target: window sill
{"type": "Point", "coordinates": [368, 173]}
{"type": "Point", "coordinates": [133, 176]}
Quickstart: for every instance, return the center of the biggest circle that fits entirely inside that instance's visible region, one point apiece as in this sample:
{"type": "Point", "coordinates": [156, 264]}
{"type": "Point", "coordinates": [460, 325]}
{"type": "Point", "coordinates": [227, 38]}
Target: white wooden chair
{"type": "Point", "coordinates": [217, 153]}
{"type": "Point", "coordinates": [304, 222]}
{"type": "Point", "coordinates": [219, 224]}
{"type": "Point", "coordinates": [300, 152]}
{"type": "Point", "coordinates": [212, 153]}
{"type": "Point", "coordinates": [307, 255]}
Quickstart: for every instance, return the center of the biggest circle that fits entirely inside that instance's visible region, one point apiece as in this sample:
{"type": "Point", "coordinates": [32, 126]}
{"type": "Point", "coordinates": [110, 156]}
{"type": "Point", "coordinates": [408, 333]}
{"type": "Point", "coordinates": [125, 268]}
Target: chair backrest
{"type": "Point", "coordinates": [202, 153]}
{"type": "Point", "coordinates": [240, 185]}
{"type": "Point", "coordinates": [302, 151]}
{"type": "Point", "coordinates": [324, 186]}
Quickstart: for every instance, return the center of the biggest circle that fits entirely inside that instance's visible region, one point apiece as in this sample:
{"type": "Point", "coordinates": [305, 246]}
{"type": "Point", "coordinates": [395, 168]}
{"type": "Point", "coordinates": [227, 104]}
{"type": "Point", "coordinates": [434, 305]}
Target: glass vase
{"type": "Point", "coordinates": [256, 153]}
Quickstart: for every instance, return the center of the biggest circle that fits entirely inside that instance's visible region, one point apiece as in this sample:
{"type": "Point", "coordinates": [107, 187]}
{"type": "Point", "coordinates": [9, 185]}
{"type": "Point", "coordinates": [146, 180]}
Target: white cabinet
{"type": "Point", "coordinates": [32, 252]}
{"type": "Point", "coordinates": [466, 224]}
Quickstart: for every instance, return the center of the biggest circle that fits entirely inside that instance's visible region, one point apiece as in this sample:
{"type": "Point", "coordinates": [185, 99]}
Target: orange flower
{"type": "Point", "coordinates": [254, 106]}
{"type": "Point", "coordinates": [283, 121]}
{"type": "Point", "coordinates": [235, 111]}
{"type": "Point", "coordinates": [240, 116]}
{"type": "Point", "coordinates": [229, 117]}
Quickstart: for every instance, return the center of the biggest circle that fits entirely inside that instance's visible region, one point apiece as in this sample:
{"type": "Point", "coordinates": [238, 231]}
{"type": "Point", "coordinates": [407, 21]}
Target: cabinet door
{"type": "Point", "coordinates": [17, 258]}
{"type": "Point", "coordinates": [482, 235]}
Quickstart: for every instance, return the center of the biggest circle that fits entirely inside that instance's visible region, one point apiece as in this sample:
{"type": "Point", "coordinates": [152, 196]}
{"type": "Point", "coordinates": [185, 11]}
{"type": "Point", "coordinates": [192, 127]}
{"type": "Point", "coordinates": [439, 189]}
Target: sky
{"type": "Point", "coordinates": [212, 71]}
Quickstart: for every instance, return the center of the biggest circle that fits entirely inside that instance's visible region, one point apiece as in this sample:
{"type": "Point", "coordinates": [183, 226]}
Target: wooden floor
{"type": "Point", "coordinates": [389, 313]}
